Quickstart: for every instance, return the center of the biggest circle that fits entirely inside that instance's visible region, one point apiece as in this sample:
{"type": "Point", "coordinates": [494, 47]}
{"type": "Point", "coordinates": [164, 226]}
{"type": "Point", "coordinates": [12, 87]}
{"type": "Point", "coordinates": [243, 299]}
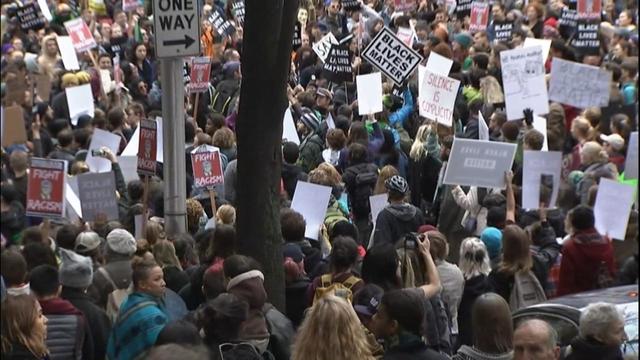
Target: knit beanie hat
{"type": "Point", "coordinates": [492, 239]}
{"type": "Point", "coordinates": [310, 120]}
{"type": "Point", "coordinates": [76, 270]}
{"type": "Point", "coordinates": [69, 80]}
{"type": "Point", "coordinates": [464, 39]}
{"type": "Point", "coordinates": [121, 241]}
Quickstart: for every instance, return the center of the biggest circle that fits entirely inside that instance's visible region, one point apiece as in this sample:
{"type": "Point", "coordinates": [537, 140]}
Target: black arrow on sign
{"type": "Point", "coordinates": [186, 42]}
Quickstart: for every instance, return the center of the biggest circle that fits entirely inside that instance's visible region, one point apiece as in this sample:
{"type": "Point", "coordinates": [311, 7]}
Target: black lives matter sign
{"type": "Point", "coordinates": [297, 36]}
{"type": "Point", "coordinates": [337, 66]}
{"type": "Point", "coordinates": [502, 30]}
{"type": "Point", "coordinates": [586, 39]}
{"type": "Point", "coordinates": [237, 9]}
{"type": "Point", "coordinates": [389, 54]}
{"type": "Point", "coordinates": [223, 27]}
{"type": "Point", "coordinates": [30, 18]}
{"type": "Point", "coordinates": [463, 8]}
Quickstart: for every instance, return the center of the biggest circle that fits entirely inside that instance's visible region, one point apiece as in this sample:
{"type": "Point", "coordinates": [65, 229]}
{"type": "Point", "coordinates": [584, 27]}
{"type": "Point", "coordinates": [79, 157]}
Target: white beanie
{"type": "Point", "coordinates": [122, 242]}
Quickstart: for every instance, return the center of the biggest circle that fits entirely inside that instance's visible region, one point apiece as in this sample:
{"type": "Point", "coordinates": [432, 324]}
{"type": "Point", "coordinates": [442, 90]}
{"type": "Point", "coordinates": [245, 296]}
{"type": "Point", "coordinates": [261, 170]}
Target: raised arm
{"type": "Point", "coordinates": [433, 287]}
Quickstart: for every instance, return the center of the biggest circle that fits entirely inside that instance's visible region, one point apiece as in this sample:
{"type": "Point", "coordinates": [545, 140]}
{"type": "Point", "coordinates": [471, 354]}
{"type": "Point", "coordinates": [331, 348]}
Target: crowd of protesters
{"type": "Point", "coordinates": [435, 276]}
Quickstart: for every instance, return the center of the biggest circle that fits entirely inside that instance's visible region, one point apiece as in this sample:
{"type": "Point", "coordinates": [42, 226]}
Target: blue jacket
{"type": "Point", "coordinates": [401, 115]}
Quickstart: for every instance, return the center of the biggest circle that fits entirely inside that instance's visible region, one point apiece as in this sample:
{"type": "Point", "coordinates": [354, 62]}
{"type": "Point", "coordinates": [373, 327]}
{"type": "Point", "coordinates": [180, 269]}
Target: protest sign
{"type": "Point", "coordinates": [579, 85]}
{"type": "Point", "coordinates": [331, 124]}
{"type": "Point", "coordinates": [479, 16]}
{"type": "Point", "coordinates": [13, 130]}
{"type": "Point", "coordinates": [406, 35]}
{"type": "Point", "coordinates": [132, 147]}
{"type": "Point", "coordinates": [311, 201]}
{"type": "Point", "coordinates": [479, 163]}
{"type": "Point", "coordinates": [99, 139]}
{"type": "Point", "coordinates": [130, 5]}
{"type": "Point", "coordinates": [502, 30]}
{"type": "Point", "coordinates": [297, 36]}
{"type": "Point", "coordinates": [97, 193]}
{"type": "Point", "coordinates": [45, 188]}
{"type": "Point", "coordinates": [207, 167]}
{"type": "Point", "coordinates": [540, 124]}
{"type": "Point", "coordinates": [463, 8]}
{"type": "Point", "coordinates": [351, 5]}
{"type": "Point", "coordinates": [237, 10]}
{"type": "Point", "coordinates": [524, 82]}
{"type": "Point", "coordinates": [29, 18]}
{"type": "Point", "coordinates": [537, 163]}
{"type": "Point", "coordinates": [105, 80]}
{"type": "Point", "coordinates": [404, 5]}
{"type": "Point", "coordinates": [393, 57]}
{"type": "Point", "coordinates": [437, 96]}
{"type": "Point", "coordinates": [80, 101]}
{"type": "Point", "coordinates": [544, 43]}
{"type": "Point", "coordinates": [200, 73]}
{"type": "Point", "coordinates": [613, 207]}
{"type": "Point", "coordinates": [129, 167]}
{"type": "Point", "coordinates": [44, 9]}
{"type": "Point", "coordinates": [337, 66]}
{"type": "Point", "coordinates": [147, 147]}
{"type": "Point", "coordinates": [80, 35]}
{"type": "Point", "coordinates": [568, 18]}
{"type": "Point", "coordinates": [117, 48]}
{"type": "Point", "coordinates": [223, 26]}
{"type": "Point", "coordinates": [72, 202]}
{"type": "Point", "coordinates": [589, 9]}
{"type": "Point", "coordinates": [43, 86]}
{"type": "Point", "coordinates": [437, 64]}
{"type": "Point", "coordinates": [369, 88]}
{"type": "Point", "coordinates": [16, 86]}
{"type": "Point", "coordinates": [322, 47]}
{"type": "Point", "coordinates": [68, 53]}
{"type": "Point", "coordinates": [483, 128]}
{"type": "Point", "coordinates": [377, 203]}
{"type": "Point", "coordinates": [289, 132]}
{"type": "Point", "coordinates": [586, 39]}
{"type": "Point", "coordinates": [631, 161]}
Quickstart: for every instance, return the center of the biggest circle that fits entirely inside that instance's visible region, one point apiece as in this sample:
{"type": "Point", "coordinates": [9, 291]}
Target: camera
{"type": "Point", "coordinates": [98, 152]}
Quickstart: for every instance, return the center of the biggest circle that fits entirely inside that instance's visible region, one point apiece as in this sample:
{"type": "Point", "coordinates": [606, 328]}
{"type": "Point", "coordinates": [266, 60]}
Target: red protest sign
{"type": "Point", "coordinates": [80, 35]}
{"type": "Point", "coordinates": [45, 189]}
{"type": "Point", "coordinates": [147, 147]}
{"type": "Point", "coordinates": [479, 17]}
{"type": "Point", "coordinates": [589, 9]}
{"type": "Point", "coordinates": [200, 72]}
{"type": "Point", "coordinates": [207, 167]}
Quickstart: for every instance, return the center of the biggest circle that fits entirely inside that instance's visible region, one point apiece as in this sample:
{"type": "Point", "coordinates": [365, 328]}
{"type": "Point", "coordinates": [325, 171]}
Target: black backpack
{"type": "Point", "coordinates": [364, 185]}
{"type": "Point", "coordinates": [221, 99]}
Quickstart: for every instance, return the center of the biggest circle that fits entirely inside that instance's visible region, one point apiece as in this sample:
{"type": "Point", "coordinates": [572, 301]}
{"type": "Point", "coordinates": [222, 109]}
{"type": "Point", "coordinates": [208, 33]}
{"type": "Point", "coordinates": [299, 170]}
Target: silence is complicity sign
{"type": "Point", "coordinates": [177, 27]}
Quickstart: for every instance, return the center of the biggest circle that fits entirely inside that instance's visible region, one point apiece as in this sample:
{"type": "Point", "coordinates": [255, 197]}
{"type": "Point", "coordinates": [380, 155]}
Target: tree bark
{"type": "Point", "coordinates": [266, 59]}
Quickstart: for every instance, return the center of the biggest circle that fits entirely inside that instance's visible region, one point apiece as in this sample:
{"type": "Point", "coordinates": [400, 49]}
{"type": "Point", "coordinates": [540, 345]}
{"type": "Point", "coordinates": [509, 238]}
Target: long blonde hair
{"type": "Point", "coordinates": [386, 172]}
{"type": "Point", "coordinates": [419, 149]}
{"type": "Point", "coordinates": [331, 331]}
{"type": "Point", "coordinates": [19, 316]}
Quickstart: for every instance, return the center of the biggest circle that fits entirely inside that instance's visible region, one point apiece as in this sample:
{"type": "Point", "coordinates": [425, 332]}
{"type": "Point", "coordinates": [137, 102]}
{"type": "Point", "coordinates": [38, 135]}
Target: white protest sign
{"type": "Point", "coordinates": [97, 192]}
{"type": "Point", "coordinates": [377, 203]}
{"type": "Point", "coordinates": [483, 128]}
{"type": "Point", "coordinates": [537, 163]}
{"type": "Point", "coordinates": [311, 201]}
{"type": "Point", "coordinates": [323, 46]}
{"type": "Point", "coordinates": [579, 85]}
{"type": "Point", "coordinates": [406, 35]}
{"type": "Point", "coordinates": [73, 208]}
{"type": "Point", "coordinates": [80, 101]}
{"type": "Point", "coordinates": [289, 132]}
{"type": "Point", "coordinates": [369, 88]}
{"type": "Point", "coordinates": [132, 146]}
{"type": "Point", "coordinates": [129, 167]}
{"type": "Point", "coordinates": [524, 83]}
{"type": "Point", "coordinates": [392, 56]}
{"type": "Point", "coordinates": [479, 163]}
{"type": "Point", "coordinates": [540, 124]}
{"type": "Point", "coordinates": [105, 79]}
{"type": "Point", "coordinates": [437, 96]}
{"type": "Point", "coordinates": [631, 161]}
{"type": "Point", "coordinates": [99, 139]}
{"type": "Point", "coordinates": [545, 44]}
{"type": "Point", "coordinates": [437, 64]}
{"type": "Point", "coordinates": [612, 208]}
{"type": "Point", "coordinates": [44, 8]}
{"type": "Point", "coordinates": [177, 28]}
{"type": "Point", "coordinates": [68, 53]}
{"type": "Point", "coordinates": [330, 122]}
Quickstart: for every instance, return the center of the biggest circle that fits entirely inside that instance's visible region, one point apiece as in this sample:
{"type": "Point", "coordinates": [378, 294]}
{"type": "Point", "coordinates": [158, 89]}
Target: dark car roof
{"type": "Point", "coordinates": [616, 295]}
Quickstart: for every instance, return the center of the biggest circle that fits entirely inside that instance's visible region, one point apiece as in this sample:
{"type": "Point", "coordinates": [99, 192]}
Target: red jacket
{"type": "Point", "coordinates": [581, 257]}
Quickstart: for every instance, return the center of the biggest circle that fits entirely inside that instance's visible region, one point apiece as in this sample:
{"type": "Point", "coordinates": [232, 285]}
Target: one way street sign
{"type": "Point", "coordinates": [177, 27]}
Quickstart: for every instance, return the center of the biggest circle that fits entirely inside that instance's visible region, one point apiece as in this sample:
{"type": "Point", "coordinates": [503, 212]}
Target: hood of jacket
{"type": "Point", "coordinates": [250, 290]}
{"type": "Point", "coordinates": [58, 306]}
{"type": "Point", "coordinates": [404, 211]}
{"type": "Point", "coordinates": [592, 349]}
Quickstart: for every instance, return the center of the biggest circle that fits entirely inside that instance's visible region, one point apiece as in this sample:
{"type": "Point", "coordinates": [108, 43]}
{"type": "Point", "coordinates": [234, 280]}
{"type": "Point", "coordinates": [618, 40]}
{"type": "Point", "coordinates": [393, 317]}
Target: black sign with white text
{"type": "Point", "coordinates": [392, 56]}
{"type": "Point", "coordinates": [30, 18]}
{"type": "Point", "coordinates": [337, 66]}
{"type": "Point", "coordinates": [502, 30]}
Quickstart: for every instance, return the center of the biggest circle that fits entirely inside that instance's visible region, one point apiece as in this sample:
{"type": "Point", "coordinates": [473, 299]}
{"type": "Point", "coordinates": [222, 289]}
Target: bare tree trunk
{"type": "Point", "coordinates": [266, 59]}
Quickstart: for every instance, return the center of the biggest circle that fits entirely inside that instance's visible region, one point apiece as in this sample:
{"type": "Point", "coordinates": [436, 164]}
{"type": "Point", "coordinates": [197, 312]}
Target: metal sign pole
{"type": "Point", "coordinates": [173, 117]}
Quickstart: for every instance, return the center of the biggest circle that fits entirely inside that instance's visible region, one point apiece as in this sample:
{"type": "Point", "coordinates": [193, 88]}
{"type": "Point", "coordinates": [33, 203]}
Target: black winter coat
{"type": "Point", "coordinates": [99, 323]}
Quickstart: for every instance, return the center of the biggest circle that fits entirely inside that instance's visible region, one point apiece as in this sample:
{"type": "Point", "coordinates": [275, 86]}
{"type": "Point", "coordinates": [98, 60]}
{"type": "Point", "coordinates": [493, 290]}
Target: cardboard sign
{"type": "Point", "coordinates": [222, 26]}
{"type": "Point", "coordinates": [437, 96]}
{"type": "Point", "coordinates": [311, 201]}
{"type": "Point", "coordinates": [369, 88]}
{"type": "Point", "coordinates": [99, 139]}
{"type": "Point", "coordinates": [463, 8]}
{"type": "Point", "coordinates": [289, 132]}
{"type": "Point", "coordinates": [586, 39]}
{"type": "Point", "coordinates": [16, 87]}
{"type": "Point", "coordinates": [207, 167]}
{"type": "Point", "coordinates": [45, 188]}
{"type": "Point", "coordinates": [479, 16]}
{"type": "Point", "coordinates": [29, 17]}
{"type": "Point", "coordinates": [322, 47]}
{"type": "Point", "coordinates": [537, 163]}
{"type": "Point", "coordinates": [147, 148]}
{"type": "Point", "coordinates": [351, 5]}
{"type": "Point", "coordinates": [568, 18]}
{"type": "Point", "coordinates": [43, 86]}
{"type": "Point", "coordinates": [579, 85]}
{"type": "Point", "coordinates": [13, 127]}
{"type": "Point", "coordinates": [200, 73]}
{"type": "Point", "coordinates": [297, 36]}
{"type": "Point", "coordinates": [393, 57]}
{"type": "Point", "coordinates": [237, 9]}
{"type": "Point", "coordinates": [631, 161]}
{"type": "Point", "coordinates": [80, 35]}
{"type": "Point", "coordinates": [502, 30]}
{"type": "Point", "coordinates": [80, 101]}
{"type": "Point", "coordinates": [97, 193]}
{"type": "Point", "coordinates": [68, 53]}
{"type": "Point", "coordinates": [524, 83]}
{"type": "Point", "coordinates": [589, 9]}
{"type": "Point", "coordinates": [479, 163]}
{"type": "Point", "coordinates": [337, 66]}
{"type": "Point", "coordinates": [612, 208]}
